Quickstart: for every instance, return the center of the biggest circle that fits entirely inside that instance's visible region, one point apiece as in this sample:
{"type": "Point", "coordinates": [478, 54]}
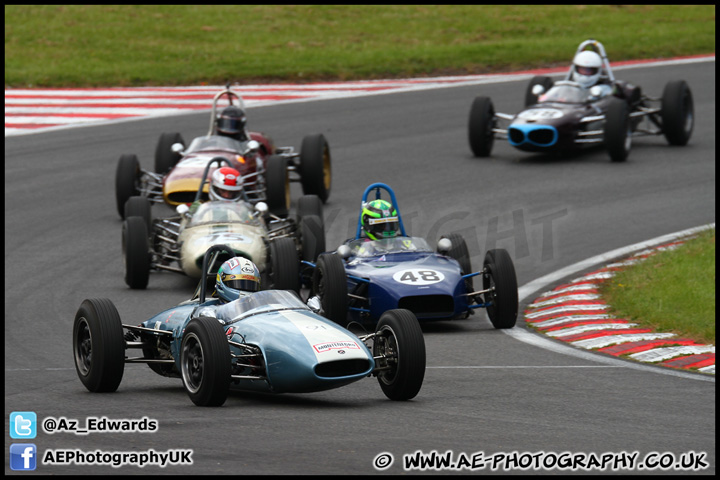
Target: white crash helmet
{"type": "Point", "coordinates": [587, 66]}
{"type": "Point", "coordinates": [226, 185]}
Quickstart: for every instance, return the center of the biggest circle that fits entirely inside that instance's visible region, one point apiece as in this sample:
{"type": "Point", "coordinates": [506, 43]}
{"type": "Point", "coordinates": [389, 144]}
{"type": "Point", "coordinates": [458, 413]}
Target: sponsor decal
{"type": "Point", "coordinates": [341, 345]}
{"type": "Point", "coordinates": [374, 221]}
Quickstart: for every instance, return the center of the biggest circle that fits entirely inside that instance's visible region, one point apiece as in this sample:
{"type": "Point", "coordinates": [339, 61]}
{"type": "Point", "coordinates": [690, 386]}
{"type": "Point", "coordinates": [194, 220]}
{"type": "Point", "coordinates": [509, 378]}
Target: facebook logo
{"type": "Point", "coordinates": [23, 456]}
{"type": "Point", "coordinates": [23, 425]}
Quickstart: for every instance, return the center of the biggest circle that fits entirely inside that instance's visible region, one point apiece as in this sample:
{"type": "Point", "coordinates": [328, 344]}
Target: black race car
{"type": "Point", "coordinates": [563, 115]}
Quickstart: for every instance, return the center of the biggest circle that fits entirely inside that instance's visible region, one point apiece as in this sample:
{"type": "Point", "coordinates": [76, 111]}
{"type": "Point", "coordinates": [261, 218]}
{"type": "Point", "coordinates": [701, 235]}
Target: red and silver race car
{"type": "Point", "coordinates": [567, 115]}
{"type": "Point", "coordinates": [265, 168]}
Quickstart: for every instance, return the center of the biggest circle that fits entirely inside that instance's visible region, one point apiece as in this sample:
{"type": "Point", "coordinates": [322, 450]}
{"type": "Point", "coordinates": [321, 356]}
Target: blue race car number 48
{"type": "Point", "coordinates": [418, 276]}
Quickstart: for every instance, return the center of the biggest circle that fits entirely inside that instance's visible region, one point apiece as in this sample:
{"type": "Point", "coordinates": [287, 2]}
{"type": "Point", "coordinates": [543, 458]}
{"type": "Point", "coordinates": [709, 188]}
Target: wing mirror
{"type": "Point", "coordinates": [177, 148]}
{"type": "Point", "coordinates": [444, 245]}
{"type": "Point", "coordinates": [261, 208]}
{"type": "Point", "coordinates": [252, 146]}
{"type": "Point", "coordinates": [182, 210]}
{"type": "Point", "coordinates": [596, 91]}
{"type": "Point", "coordinates": [344, 251]}
{"type": "Point", "coordinates": [538, 89]}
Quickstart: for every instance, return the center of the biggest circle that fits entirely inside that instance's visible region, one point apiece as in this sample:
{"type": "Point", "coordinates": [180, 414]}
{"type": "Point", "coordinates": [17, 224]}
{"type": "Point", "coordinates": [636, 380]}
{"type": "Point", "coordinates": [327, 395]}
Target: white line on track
{"type": "Point", "coordinates": [546, 281]}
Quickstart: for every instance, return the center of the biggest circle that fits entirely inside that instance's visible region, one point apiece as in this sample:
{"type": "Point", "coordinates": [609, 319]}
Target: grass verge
{"type": "Point", "coordinates": [134, 45]}
{"type": "Point", "coordinates": [671, 291]}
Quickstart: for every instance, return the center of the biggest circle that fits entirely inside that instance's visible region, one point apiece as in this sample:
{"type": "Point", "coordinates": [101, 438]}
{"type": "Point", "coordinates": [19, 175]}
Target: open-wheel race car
{"type": "Point", "coordinates": [266, 169]}
{"type": "Point", "coordinates": [382, 268]}
{"type": "Point", "coordinates": [178, 243]}
{"type": "Point", "coordinates": [262, 341]}
{"type": "Point", "coordinates": [589, 107]}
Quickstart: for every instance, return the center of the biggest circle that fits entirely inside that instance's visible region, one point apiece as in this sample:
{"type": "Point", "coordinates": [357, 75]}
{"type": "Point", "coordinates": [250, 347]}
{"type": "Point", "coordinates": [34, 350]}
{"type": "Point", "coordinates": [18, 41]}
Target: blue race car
{"type": "Point", "coordinates": [382, 268]}
{"type": "Point", "coordinates": [267, 341]}
{"type": "Point", "coordinates": [574, 113]}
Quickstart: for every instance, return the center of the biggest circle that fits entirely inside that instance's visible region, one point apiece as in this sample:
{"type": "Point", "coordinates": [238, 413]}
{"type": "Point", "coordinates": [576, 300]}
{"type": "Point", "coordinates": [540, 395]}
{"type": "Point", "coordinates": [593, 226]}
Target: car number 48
{"type": "Point", "coordinates": [418, 276]}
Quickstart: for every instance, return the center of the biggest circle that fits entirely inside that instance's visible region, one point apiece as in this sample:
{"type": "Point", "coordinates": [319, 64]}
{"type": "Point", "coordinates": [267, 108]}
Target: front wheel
{"type": "Point", "coordinates": [400, 345]}
{"type": "Point", "coordinates": [277, 184]}
{"type": "Point", "coordinates": [499, 277]}
{"type": "Point", "coordinates": [677, 112]}
{"type": "Point", "coordinates": [205, 362]}
{"type": "Point", "coordinates": [480, 127]}
{"type": "Point", "coordinates": [316, 166]}
{"type": "Point", "coordinates": [98, 345]}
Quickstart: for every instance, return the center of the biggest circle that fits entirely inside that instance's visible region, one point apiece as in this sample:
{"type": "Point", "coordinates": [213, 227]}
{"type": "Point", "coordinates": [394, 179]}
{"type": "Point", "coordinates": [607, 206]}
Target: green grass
{"type": "Point", "coordinates": [132, 45]}
{"type": "Point", "coordinates": [672, 291]}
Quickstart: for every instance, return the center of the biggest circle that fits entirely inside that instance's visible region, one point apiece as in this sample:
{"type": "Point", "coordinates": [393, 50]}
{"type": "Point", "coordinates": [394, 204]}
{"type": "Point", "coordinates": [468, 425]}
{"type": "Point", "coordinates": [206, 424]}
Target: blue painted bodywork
{"type": "Point", "coordinates": [386, 290]}
{"type": "Point", "coordinates": [293, 339]}
{"type": "Point", "coordinates": [389, 274]}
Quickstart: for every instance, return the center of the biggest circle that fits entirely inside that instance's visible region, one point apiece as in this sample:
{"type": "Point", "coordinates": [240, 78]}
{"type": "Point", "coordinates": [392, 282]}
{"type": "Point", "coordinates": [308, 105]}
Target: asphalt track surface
{"type": "Point", "coordinates": [484, 391]}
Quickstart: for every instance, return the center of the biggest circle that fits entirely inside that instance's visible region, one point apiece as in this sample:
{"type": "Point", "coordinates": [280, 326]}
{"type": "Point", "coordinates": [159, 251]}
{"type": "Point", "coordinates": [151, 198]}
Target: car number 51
{"type": "Point", "coordinates": [418, 276]}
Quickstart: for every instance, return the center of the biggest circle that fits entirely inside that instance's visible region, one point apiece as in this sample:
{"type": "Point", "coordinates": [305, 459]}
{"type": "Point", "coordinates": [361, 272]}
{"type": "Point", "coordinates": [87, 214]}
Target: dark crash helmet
{"type": "Point", "coordinates": [379, 220]}
{"type": "Point", "coordinates": [231, 122]}
{"type": "Point", "coordinates": [234, 276]}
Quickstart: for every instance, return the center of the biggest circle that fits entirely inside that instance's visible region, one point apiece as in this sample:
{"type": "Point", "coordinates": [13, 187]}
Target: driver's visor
{"type": "Point", "coordinates": [587, 70]}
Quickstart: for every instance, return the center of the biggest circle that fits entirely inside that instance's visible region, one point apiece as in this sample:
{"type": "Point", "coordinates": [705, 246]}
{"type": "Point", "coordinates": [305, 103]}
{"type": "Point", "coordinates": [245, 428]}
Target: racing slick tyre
{"type": "Point", "coordinates": [126, 179]}
{"type": "Point", "coordinates": [499, 275]}
{"type": "Point", "coordinates": [98, 345]}
{"type": "Point", "coordinates": [459, 252]}
{"type": "Point", "coordinates": [165, 158]}
{"type": "Point", "coordinates": [330, 284]}
{"type": "Point", "coordinates": [315, 166]}
{"type": "Point", "coordinates": [310, 205]}
{"type": "Point", "coordinates": [284, 265]}
{"type": "Point", "coordinates": [312, 236]}
{"type": "Point", "coordinates": [399, 343]}
{"type": "Point", "coordinates": [139, 206]}
{"type": "Point", "coordinates": [277, 183]}
{"type": "Point", "coordinates": [205, 362]}
{"type": "Point", "coordinates": [480, 126]}
{"type": "Point", "coordinates": [677, 112]}
{"type": "Point", "coordinates": [530, 97]}
{"type": "Point", "coordinates": [136, 252]}
{"type": "Point", "coordinates": [618, 130]}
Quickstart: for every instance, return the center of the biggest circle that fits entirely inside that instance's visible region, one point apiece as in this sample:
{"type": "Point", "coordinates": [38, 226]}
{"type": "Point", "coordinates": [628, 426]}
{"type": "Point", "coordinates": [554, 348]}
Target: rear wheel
{"type": "Point", "coordinates": [312, 236]}
{"type": "Point", "coordinates": [126, 181]}
{"type": "Point", "coordinates": [480, 126]}
{"type": "Point", "coordinates": [499, 276]}
{"type": "Point", "coordinates": [284, 265]}
{"type": "Point", "coordinates": [165, 158]}
{"type": "Point", "coordinates": [530, 97]}
{"type": "Point", "coordinates": [677, 112]}
{"type": "Point", "coordinates": [136, 252]}
{"type": "Point", "coordinates": [399, 343]}
{"type": "Point", "coordinates": [315, 166]}
{"type": "Point", "coordinates": [310, 205]}
{"type": "Point", "coordinates": [459, 252]}
{"type": "Point", "coordinates": [617, 130]}
{"type": "Point", "coordinates": [330, 284]}
{"type": "Point", "coordinates": [205, 362]}
{"type": "Point", "coordinates": [98, 345]}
